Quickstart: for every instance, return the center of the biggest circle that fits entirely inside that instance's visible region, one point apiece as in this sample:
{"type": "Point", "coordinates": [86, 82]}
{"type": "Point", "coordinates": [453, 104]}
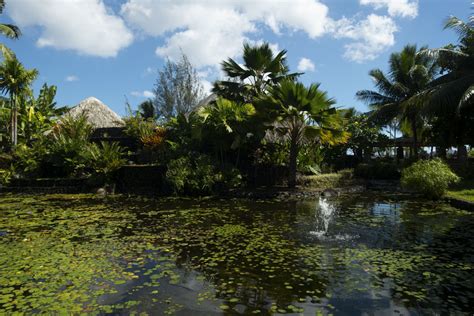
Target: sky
{"type": "Point", "coordinates": [113, 49]}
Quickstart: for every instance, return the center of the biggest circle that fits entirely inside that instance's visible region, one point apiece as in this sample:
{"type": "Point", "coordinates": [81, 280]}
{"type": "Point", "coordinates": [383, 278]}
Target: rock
{"type": "Point", "coordinates": [329, 193]}
{"type": "Point", "coordinates": [101, 192]}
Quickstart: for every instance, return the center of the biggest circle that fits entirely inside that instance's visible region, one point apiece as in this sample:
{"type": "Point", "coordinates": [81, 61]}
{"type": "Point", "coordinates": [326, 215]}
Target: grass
{"type": "Point", "coordinates": [327, 180]}
{"type": "Point", "coordinates": [463, 190]}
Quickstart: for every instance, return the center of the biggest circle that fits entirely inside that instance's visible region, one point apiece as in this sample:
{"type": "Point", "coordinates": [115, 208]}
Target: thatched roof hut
{"type": "Point", "coordinates": [97, 113]}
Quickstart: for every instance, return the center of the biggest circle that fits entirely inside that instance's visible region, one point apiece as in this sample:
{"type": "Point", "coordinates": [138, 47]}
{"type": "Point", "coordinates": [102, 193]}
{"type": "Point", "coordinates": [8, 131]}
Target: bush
{"type": "Point", "coordinates": [191, 176]}
{"type": "Point", "coordinates": [430, 177]}
{"type": "Point", "coordinates": [104, 160]}
{"type": "Point", "coordinates": [377, 170]}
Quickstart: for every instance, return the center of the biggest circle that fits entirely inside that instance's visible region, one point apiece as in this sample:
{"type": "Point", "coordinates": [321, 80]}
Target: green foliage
{"type": "Point", "coordinates": [463, 190]}
{"type": "Point", "coordinates": [377, 170]}
{"type": "Point", "coordinates": [6, 175]}
{"type": "Point", "coordinates": [397, 98]}
{"type": "Point", "coordinates": [67, 143]}
{"type": "Point", "coordinates": [28, 159]}
{"type": "Point", "coordinates": [191, 176]}
{"type": "Point", "coordinates": [104, 159]}
{"type": "Point", "coordinates": [302, 114]}
{"type": "Point", "coordinates": [137, 127]}
{"type": "Point", "coordinates": [15, 80]}
{"type": "Point", "coordinates": [327, 180]}
{"type": "Point", "coordinates": [261, 70]}
{"type": "Point", "coordinates": [430, 177]}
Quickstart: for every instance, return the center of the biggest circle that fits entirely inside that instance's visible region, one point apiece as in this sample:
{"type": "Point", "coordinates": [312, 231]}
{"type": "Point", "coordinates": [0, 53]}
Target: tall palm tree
{"type": "Point", "coordinates": [451, 95]}
{"type": "Point", "coordinates": [261, 70]}
{"type": "Point", "coordinates": [456, 86]}
{"type": "Point", "coordinates": [8, 30]}
{"type": "Point", "coordinates": [15, 80]}
{"type": "Point", "coordinates": [302, 113]}
{"type": "Point", "coordinates": [398, 92]}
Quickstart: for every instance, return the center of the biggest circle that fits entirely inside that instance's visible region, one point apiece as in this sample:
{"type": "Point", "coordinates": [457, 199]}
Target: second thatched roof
{"type": "Point", "coordinates": [97, 113]}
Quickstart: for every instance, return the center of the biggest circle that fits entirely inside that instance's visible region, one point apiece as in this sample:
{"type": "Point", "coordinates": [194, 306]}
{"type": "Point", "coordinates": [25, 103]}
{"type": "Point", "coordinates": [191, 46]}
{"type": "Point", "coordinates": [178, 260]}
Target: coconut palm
{"type": "Point", "coordinates": [301, 114]}
{"type": "Point", "coordinates": [8, 30]}
{"type": "Point", "coordinates": [399, 91]}
{"type": "Point", "coordinates": [15, 80]}
{"type": "Point", "coordinates": [261, 70]}
{"type": "Point", "coordinates": [455, 88]}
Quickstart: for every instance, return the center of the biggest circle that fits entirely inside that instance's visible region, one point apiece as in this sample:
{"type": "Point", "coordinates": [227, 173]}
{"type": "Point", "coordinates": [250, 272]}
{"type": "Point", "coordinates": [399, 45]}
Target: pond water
{"type": "Point", "coordinates": [352, 255]}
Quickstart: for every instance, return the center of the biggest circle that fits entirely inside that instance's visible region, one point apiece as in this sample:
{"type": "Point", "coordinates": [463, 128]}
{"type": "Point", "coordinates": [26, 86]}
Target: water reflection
{"type": "Point", "coordinates": [349, 255]}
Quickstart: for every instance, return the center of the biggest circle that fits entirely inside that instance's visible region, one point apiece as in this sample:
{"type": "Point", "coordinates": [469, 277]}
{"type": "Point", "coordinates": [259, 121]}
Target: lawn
{"type": "Point", "coordinates": [463, 190]}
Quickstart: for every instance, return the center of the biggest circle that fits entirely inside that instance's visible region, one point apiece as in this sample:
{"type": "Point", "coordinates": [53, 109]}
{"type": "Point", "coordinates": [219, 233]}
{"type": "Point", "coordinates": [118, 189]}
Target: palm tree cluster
{"type": "Point", "coordinates": [429, 91]}
{"type": "Point", "coordinates": [273, 101]}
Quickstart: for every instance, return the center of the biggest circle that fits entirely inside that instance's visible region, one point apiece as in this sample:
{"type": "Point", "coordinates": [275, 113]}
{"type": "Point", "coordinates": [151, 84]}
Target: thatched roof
{"type": "Point", "coordinates": [97, 113]}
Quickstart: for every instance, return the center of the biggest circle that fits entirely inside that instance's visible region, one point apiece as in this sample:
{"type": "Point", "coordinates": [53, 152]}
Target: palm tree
{"type": "Point", "coordinates": [8, 30]}
{"type": "Point", "coordinates": [226, 118]}
{"type": "Point", "coordinates": [456, 86]}
{"type": "Point", "coordinates": [261, 70]}
{"type": "Point", "coordinates": [302, 114]}
{"type": "Point", "coordinates": [450, 96]}
{"type": "Point", "coordinates": [15, 80]}
{"type": "Point", "coordinates": [399, 92]}
{"type": "Point", "coordinates": [147, 110]}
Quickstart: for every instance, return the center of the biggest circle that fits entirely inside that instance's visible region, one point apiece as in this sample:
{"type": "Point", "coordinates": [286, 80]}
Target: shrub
{"type": "Point", "coordinates": [191, 176]}
{"type": "Point", "coordinates": [105, 159]}
{"type": "Point", "coordinates": [377, 170]}
{"type": "Point", "coordinates": [430, 177]}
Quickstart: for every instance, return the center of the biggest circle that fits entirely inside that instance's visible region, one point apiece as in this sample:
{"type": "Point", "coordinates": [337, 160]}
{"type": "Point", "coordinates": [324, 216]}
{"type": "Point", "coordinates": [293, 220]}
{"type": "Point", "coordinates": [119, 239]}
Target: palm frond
{"type": "Point", "coordinates": [467, 98]}
{"type": "Point", "coordinates": [463, 29]}
{"type": "Point", "coordinates": [372, 97]}
{"type": "Point", "coordinates": [10, 31]}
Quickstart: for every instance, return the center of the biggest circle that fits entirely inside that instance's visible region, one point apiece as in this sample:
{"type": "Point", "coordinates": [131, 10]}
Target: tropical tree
{"type": "Point", "coordinates": [147, 110]}
{"type": "Point", "coordinates": [178, 89]}
{"type": "Point", "coordinates": [39, 114]}
{"type": "Point", "coordinates": [261, 70]}
{"type": "Point", "coordinates": [450, 96]}
{"type": "Point", "coordinates": [227, 118]}
{"type": "Point", "coordinates": [456, 85]}
{"type": "Point", "coordinates": [399, 91]}
{"type": "Point", "coordinates": [302, 113]}
{"type": "Point", "coordinates": [8, 30]}
{"type": "Point", "coordinates": [15, 80]}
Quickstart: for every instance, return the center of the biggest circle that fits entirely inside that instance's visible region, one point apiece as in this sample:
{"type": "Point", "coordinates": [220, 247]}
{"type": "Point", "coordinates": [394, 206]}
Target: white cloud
{"type": "Point", "coordinates": [85, 26]}
{"type": "Point", "coordinates": [305, 64]}
{"type": "Point", "coordinates": [371, 36]}
{"type": "Point", "coordinates": [212, 31]}
{"type": "Point", "coordinates": [71, 78]}
{"type": "Point", "coordinates": [142, 94]}
{"type": "Point", "coordinates": [403, 8]}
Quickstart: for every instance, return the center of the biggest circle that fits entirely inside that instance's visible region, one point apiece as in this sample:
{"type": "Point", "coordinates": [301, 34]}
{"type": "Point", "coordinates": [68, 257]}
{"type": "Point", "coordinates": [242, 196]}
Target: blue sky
{"type": "Point", "coordinates": [112, 49]}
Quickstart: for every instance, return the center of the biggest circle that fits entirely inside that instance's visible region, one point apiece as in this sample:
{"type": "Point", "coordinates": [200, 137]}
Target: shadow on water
{"type": "Point", "coordinates": [348, 255]}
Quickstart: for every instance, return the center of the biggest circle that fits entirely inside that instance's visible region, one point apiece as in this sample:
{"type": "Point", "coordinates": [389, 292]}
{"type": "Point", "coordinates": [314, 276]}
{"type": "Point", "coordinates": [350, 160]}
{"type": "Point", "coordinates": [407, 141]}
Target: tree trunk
{"type": "Point", "coordinates": [441, 152]}
{"type": "Point", "coordinates": [462, 153]}
{"type": "Point", "coordinates": [14, 121]}
{"type": "Point", "coordinates": [292, 166]}
{"type": "Point", "coordinates": [415, 139]}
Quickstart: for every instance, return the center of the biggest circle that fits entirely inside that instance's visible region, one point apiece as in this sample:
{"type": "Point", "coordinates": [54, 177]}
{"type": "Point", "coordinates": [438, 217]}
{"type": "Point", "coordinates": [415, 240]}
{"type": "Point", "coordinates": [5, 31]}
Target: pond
{"type": "Point", "coordinates": [350, 255]}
